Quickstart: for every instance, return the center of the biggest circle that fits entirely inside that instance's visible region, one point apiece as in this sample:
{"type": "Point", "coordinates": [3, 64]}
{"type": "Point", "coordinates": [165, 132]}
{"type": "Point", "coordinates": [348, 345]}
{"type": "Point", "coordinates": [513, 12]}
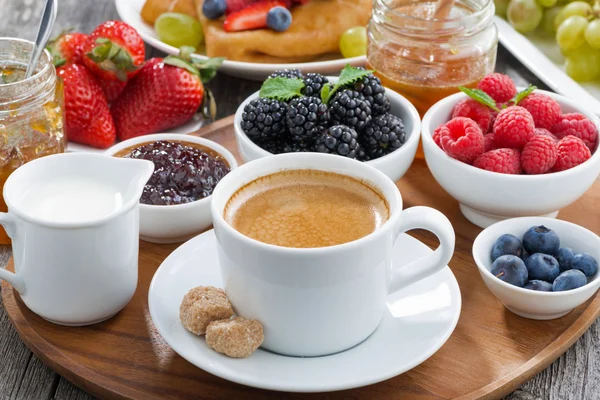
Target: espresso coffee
{"type": "Point", "coordinates": [306, 208]}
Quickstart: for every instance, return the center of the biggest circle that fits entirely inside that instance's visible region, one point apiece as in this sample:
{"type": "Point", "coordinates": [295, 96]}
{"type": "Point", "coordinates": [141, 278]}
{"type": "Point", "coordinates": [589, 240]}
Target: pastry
{"type": "Point", "coordinates": [315, 30]}
{"type": "Point", "coordinates": [154, 8]}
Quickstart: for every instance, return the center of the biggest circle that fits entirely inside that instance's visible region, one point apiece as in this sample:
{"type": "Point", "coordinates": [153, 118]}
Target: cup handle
{"type": "Point", "coordinates": [434, 221]}
{"type": "Point", "coordinates": [8, 222]}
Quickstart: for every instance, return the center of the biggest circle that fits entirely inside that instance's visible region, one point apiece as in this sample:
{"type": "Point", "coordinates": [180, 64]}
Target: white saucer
{"type": "Point", "coordinates": [129, 11]}
{"type": "Point", "coordinates": [421, 318]}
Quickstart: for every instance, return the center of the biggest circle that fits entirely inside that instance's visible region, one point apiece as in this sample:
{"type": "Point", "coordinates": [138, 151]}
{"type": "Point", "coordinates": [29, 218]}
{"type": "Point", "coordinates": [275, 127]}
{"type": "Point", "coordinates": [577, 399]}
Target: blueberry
{"type": "Point", "coordinates": [507, 244]}
{"type": "Point", "coordinates": [525, 257]}
{"type": "Point", "coordinates": [213, 9]}
{"type": "Point", "coordinates": [564, 257]}
{"type": "Point", "coordinates": [539, 239]}
{"type": "Point", "coordinates": [510, 269]}
{"type": "Point", "coordinates": [568, 280]}
{"type": "Point", "coordinates": [543, 267]}
{"type": "Point", "coordinates": [279, 19]}
{"type": "Point", "coordinates": [585, 263]}
{"type": "Point", "coordinates": [540, 286]}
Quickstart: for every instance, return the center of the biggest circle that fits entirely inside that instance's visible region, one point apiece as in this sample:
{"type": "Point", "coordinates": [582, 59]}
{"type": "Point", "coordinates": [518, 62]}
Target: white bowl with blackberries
{"type": "Point", "coordinates": [352, 116]}
{"type": "Point", "coordinates": [539, 268]}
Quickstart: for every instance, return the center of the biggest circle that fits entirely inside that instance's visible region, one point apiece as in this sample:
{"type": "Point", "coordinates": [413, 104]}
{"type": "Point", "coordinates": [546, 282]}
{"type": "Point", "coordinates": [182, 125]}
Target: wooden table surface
{"type": "Point", "coordinates": [575, 375]}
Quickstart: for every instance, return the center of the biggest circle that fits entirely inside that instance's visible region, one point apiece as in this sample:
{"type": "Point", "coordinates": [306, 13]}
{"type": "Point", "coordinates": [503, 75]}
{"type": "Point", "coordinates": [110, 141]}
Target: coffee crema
{"type": "Point", "coordinates": [306, 209]}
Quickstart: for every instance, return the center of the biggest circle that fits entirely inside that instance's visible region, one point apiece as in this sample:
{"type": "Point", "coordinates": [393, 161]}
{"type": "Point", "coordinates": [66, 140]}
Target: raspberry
{"type": "Point", "coordinates": [437, 136]}
{"type": "Point", "coordinates": [513, 127]}
{"type": "Point", "coordinates": [544, 109]}
{"type": "Point", "coordinates": [579, 126]}
{"type": "Point", "coordinates": [462, 139]}
{"type": "Point", "coordinates": [539, 155]}
{"type": "Point", "coordinates": [476, 111]}
{"type": "Point", "coordinates": [489, 142]}
{"type": "Point", "coordinates": [545, 132]}
{"type": "Point", "coordinates": [500, 87]}
{"type": "Point", "coordinates": [572, 151]}
{"type": "Point", "coordinates": [504, 161]}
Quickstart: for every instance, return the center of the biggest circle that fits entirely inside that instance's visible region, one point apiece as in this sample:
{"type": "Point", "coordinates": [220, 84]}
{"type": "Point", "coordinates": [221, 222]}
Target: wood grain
{"type": "Point", "coordinates": [491, 353]}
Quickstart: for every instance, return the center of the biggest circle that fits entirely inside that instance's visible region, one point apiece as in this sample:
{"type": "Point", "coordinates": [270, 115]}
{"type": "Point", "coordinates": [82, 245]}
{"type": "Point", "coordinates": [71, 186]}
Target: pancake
{"type": "Point", "coordinates": [315, 30]}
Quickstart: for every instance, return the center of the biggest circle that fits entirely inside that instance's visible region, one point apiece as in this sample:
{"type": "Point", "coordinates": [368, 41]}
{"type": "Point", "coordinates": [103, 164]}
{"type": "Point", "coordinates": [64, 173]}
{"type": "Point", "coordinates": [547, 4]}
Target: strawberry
{"type": "Point", "coordinates": [67, 48]}
{"type": "Point", "coordinates": [113, 53]}
{"type": "Point", "coordinates": [252, 17]}
{"type": "Point", "coordinates": [163, 94]}
{"type": "Point", "coordinates": [87, 116]}
{"type": "Point", "coordinates": [237, 5]}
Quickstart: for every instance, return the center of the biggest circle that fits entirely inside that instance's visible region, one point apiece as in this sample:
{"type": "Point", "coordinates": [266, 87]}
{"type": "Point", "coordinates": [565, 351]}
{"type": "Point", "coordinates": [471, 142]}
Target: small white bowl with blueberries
{"type": "Point", "coordinates": [539, 268]}
{"type": "Point", "coordinates": [352, 116]}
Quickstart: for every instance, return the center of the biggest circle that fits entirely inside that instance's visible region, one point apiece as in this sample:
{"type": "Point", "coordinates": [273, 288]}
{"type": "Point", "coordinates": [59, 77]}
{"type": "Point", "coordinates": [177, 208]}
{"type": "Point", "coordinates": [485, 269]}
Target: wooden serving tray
{"type": "Point", "coordinates": [491, 352]}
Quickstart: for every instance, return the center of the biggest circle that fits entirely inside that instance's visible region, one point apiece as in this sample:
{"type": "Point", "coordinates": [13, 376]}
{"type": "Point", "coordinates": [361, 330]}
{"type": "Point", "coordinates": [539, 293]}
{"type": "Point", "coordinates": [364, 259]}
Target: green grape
{"type": "Point", "coordinates": [571, 33]}
{"type": "Point", "coordinates": [501, 7]}
{"type": "Point", "coordinates": [592, 34]}
{"type": "Point", "coordinates": [178, 30]}
{"type": "Point", "coordinates": [548, 19]}
{"type": "Point", "coordinates": [353, 42]}
{"type": "Point", "coordinates": [547, 3]}
{"type": "Point", "coordinates": [584, 65]}
{"type": "Point", "coordinates": [524, 15]}
{"type": "Point", "coordinates": [575, 8]}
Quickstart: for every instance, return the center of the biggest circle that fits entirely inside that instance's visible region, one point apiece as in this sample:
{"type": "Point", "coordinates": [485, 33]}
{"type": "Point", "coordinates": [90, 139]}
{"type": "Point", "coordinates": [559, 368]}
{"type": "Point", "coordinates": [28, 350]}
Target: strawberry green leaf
{"type": "Point", "coordinates": [282, 89]}
{"type": "Point", "coordinates": [521, 95]}
{"type": "Point", "coordinates": [178, 62]}
{"type": "Point", "coordinates": [480, 96]}
{"type": "Point", "coordinates": [351, 74]}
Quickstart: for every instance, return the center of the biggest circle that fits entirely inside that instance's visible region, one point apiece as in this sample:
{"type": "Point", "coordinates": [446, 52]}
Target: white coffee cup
{"type": "Point", "coordinates": [320, 301]}
{"type": "Point", "coordinates": [75, 272]}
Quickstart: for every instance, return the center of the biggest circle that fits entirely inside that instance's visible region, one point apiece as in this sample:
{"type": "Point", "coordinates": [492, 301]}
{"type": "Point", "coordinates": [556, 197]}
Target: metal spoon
{"type": "Point", "coordinates": [43, 35]}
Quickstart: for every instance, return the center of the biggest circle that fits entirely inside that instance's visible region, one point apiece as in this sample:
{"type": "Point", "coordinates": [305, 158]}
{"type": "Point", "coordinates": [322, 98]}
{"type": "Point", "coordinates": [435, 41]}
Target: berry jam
{"type": "Point", "coordinates": [183, 173]}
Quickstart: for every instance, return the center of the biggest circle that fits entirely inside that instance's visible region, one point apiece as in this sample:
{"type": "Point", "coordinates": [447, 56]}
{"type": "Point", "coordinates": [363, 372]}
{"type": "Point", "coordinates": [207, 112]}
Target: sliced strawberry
{"type": "Point", "coordinates": [252, 17]}
{"type": "Point", "coordinates": [237, 5]}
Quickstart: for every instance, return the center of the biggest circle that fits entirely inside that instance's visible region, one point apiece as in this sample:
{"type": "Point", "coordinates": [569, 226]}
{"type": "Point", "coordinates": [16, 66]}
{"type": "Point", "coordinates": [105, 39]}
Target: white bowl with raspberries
{"type": "Point", "coordinates": [528, 160]}
{"type": "Point", "coordinates": [394, 164]}
{"type": "Point", "coordinates": [537, 303]}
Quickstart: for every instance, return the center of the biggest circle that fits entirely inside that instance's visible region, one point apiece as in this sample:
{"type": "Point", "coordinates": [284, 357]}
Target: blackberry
{"type": "Point", "coordinates": [280, 146]}
{"type": "Point", "coordinates": [370, 86]}
{"type": "Point", "coordinates": [313, 84]}
{"type": "Point", "coordinates": [350, 108]}
{"type": "Point", "coordinates": [287, 73]}
{"type": "Point", "coordinates": [340, 140]}
{"type": "Point", "coordinates": [264, 119]}
{"type": "Point", "coordinates": [305, 115]}
{"type": "Point", "coordinates": [383, 135]}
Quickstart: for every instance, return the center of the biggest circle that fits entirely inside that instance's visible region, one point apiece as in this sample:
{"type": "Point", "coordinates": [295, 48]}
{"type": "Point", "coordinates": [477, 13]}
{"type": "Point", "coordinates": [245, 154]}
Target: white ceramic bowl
{"type": "Point", "coordinates": [486, 197]}
{"type": "Point", "coordinates": [394, 165]}
{"type": "Point", "coordinates": [530, 303]}
{"type": "Point", "coordinates": [177, 223]}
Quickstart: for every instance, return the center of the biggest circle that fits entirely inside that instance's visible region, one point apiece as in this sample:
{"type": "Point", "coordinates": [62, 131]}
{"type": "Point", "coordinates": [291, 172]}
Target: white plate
{"type": "Point", "coordinates": [541, 55]}
{"type": "Point", "coordinates": [188, 127]}
{"type": "Point", "coordinates": [419, 320]}
{"type": "Point", "coordinates": [129, 11]}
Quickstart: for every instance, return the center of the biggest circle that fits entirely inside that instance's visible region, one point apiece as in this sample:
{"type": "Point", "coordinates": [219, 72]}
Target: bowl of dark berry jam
{"type": "Point", "coordinates": [175, 204]}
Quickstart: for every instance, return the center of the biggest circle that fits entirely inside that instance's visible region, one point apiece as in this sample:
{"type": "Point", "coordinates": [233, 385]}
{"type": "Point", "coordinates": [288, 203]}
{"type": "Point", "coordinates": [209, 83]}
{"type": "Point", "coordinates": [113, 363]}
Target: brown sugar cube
{"type": "Point", "coordinates": [202, 305]}
{"type": "Point", "coordinates": [237, 337]}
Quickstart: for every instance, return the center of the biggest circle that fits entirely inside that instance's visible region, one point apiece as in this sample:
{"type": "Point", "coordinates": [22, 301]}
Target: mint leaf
{"type": "Point", "coordinates": [348, 75]}
{"type": "Point", "coordinates": [282, 89]}
{"type": "Point", "coordinates": [521, 95]}
{"type": "Point", "coordinates": [326, 93]}
{"type": "Point", "coordinates": [351, 74]}
{"type": "Point", "coordinates": [480, 96]}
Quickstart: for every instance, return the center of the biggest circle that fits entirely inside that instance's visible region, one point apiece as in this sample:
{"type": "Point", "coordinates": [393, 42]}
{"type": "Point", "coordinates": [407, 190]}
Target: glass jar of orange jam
{"type": "Point", "coordinates": [31, 111]}
{"type": "Point", "coordinates": [425, 59]}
